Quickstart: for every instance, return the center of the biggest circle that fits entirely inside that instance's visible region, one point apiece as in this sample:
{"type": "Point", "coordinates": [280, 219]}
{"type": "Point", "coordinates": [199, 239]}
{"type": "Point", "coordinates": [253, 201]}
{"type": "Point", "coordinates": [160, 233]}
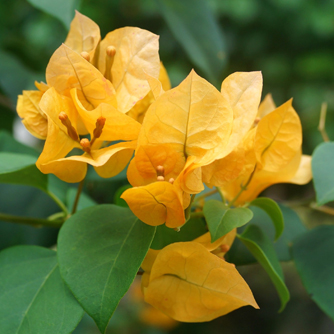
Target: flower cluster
{"type": "Point", "coordinates": [95, 94]}
{"type": "Point", "coordinates": [112, 100]}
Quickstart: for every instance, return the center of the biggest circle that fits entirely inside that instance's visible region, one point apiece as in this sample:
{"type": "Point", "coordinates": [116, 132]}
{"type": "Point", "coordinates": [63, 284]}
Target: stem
{"type": "Point", "coordinates": [76, 201]}
{"type": "Point", "coordinates": [198, 214]}
{"type": "Point", "coordinates": [221, 195]}
{"type": "Point", "coordinates": [212, 192]}
{"type": "Point", "coordinates": [58, 201]}
{"type": "Point", "coordinates": [322, 122]}
{"type": "Point", "coordinates": [325, 209]}
{"type": "Point", "coordinates": [244, 187]}
{"type": "Point", "coordinates": [37, 222]}
{"type": "Point", "coordinates": [187, 212]}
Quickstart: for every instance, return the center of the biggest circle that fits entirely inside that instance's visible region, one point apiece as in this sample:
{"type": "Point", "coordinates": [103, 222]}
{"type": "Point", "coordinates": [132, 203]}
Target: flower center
{"type": "Point", "coordinates": [85, 143]}
{"type": "Point", "coordinates": [161, 174]}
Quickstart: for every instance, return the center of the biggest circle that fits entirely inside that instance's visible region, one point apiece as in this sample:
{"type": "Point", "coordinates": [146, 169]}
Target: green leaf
{"type": "Point", "coordinates": [262, 249]}
{"type": "Point", "coordinates": [323, 176]}
{"type": "Point", "coordinates": [100, 250]}
{"type": "Point", "coordinates": [198, 32]}
{"type": "Point", "coordinates": [221, 219]}
{"type": "Point", "coordinates": [14, 76]}
{"type": "Point", "coordinates": [164, 235]}
{"type": "Point", "coordinates": [117, 197]}
{"type": "Point", "coordinates": [21, 169]}
{"type": "Point", "coordinates": [63, 10]}
{"type": "Point", "coordinates": [9, 144]}
{"type": "Point", "coordinates": [84, 201]}
{"type": "Point", "coordinates": [33, 297]}
{"type": "Point", "coordinates": [274, 212]}
{"type": "Point", "coordinates": [313, 253]}
{"type": "Point", "coordinates": [240, 255]}
{"type": "Point", "coordinates": [32, 203]}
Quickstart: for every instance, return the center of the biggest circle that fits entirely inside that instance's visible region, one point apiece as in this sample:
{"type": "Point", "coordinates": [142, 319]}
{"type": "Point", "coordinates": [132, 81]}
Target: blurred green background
{"type": "Point", "coordinates": [290, 41]}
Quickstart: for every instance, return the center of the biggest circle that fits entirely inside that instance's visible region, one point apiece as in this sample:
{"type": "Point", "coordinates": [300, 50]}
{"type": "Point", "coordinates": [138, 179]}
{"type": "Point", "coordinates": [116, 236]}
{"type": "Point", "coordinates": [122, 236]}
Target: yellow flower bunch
{"type": "Point", "coordinates": [92, 88]}
{"type": "Point", "coordinates": [112, 100]}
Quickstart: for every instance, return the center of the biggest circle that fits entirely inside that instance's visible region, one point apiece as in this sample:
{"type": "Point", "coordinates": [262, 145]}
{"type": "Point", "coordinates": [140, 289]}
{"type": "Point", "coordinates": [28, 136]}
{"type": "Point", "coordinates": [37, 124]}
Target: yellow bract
{"type": "Point", "coordinates": [272, 154]}
{"type": "Point", "coordinates": [33, 117]}
{"type": "Point", "coordinates": [62, 139]}
{"type": "Point", "coordinates": [67, 70]}
{"type": "Point", "coordinates": [84, 35]}
{"type": "Point", "coordinates": [184, 129]}
{"type": "Point", "coordinates": [278, 138]}
{"type": "Point", "coordinates": [190, 284]}
{"type": "Point", "coordinates": [91, 85]}
{"type": "Point", "coordinates": [156, 203]}
{"type": "Point", "coordinates": [194, 116]}
{"type": "Point", "coordinates": [136, 55]}
{"type": "Point", "coordinates": [242, 90]}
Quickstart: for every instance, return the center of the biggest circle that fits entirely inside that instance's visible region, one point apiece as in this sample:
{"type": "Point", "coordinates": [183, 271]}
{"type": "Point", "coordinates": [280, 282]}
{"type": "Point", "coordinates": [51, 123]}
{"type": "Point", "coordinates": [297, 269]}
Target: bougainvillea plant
{"type": "Point", "coordinates": [196, 160]}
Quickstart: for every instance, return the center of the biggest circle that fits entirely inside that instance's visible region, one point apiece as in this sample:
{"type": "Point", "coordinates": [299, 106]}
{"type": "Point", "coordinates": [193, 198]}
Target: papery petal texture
{"type": "Point", "coordinates": [34, 118]}
{"type": "Point", "coordinates": [136, 54]}
{"type": "Point", "coordinates": [156, 204]}
{"type": "Point", "coordinates": [67, 70]}
{"type": "Point", "coordinates": [278, 138]}
{"type": "Point", "coordinates": [190, 284]}
{"type": "Point", "coordinates": [242, 90]}
{"type": "Point", "coordinates": [194, 116]}
{"type": "Point", "coordinates": [84, 35]}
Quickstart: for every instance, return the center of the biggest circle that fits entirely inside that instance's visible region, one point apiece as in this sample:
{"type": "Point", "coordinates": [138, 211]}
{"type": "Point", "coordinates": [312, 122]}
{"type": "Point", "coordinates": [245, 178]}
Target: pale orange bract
{"type": "Point", "coordinates": [272, 154]}
{"type": "Point", "coordinates": [190, 284]}
{"type": "Point", "coordinates": [91, 85]}
{"type": "Point", "coordinates": [62, 139]}
{"type": "Point", "coordinates": [182, 131]}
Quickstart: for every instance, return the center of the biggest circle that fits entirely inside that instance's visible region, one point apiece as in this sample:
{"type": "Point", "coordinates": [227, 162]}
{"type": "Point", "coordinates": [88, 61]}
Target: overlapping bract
{"type": "Point", "coordinates": [269, 153]}
{"type": "Point", "coordinates": [92, 82]}
{"type": "Point", "coordinates": [112, 98]}
{"type": "Point", "coordinates": [186, 281]}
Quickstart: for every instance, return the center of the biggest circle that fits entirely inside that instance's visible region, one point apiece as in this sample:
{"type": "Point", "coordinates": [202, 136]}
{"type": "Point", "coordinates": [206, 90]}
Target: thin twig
{"type": "Point", "coordinates": [325, 209]}
{"type": "Point", "coordinates": [209, 193]}
{"type": "Point", "coordinates": [58, 201]}
{"type": "Point", "coordinates": [322, 122]}
{"type": "Point", "coordinates": [243, 188]}
{"type": "Point", "coordinates": [197, 214]}
{"type": "Point", "coordinates": [36, 222]}
{"type": "Point", "coordinates": [76, 201]}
